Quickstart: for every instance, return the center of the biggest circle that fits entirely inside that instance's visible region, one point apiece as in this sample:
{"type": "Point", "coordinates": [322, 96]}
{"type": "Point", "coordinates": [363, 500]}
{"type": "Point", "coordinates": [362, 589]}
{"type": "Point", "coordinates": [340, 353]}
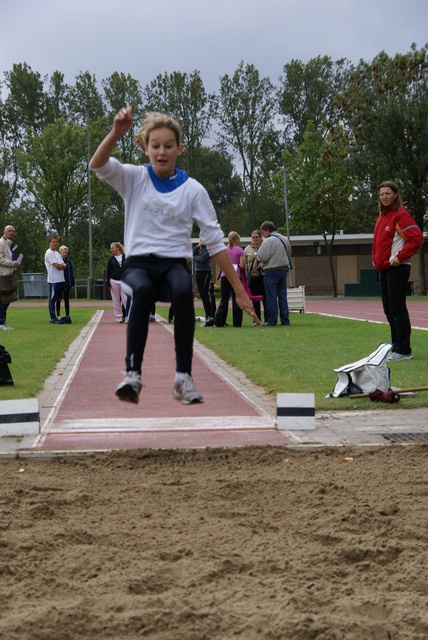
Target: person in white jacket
{"type": "Point", "coordinates": [161, 205]}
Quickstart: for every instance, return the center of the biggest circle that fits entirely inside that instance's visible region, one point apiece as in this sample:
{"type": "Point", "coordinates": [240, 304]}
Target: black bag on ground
{"type": "Point", "coordinates": [5, 375]}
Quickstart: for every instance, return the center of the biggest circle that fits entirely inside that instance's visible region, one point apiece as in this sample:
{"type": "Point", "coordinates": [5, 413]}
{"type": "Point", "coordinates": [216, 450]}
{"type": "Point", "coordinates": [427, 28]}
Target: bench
{"type": "Point", "coordinates": [296, 299]}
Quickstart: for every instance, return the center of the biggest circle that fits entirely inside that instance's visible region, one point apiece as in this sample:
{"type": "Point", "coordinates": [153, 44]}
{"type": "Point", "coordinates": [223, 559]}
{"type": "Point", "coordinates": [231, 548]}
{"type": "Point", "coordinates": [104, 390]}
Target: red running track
{"type": "Point", "coordinates": [366, 310]}
{"type": "Point", "coordinates": [89, 416]}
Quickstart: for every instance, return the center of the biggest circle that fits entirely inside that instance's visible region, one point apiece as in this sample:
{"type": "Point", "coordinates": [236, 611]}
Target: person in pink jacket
{"type": "Point", "coordinates": [396, 239]}
{"type": "Point", "coordinates": [237, 257]}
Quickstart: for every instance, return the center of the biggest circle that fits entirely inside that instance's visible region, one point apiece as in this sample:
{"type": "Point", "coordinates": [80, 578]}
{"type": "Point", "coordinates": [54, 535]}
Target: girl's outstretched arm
{"type": "Point", "coordinates": [122, 122]}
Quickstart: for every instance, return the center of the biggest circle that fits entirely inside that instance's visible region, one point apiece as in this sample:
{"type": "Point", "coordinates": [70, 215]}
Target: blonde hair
{"type": "Point", "coordinates": [62, 248]}
{"type": "Point", "coordinates": [118, 245]}
{"type": "Point", "coordinates": [155, 120]}
{"type": "Point", "coordinates": [233, 238]}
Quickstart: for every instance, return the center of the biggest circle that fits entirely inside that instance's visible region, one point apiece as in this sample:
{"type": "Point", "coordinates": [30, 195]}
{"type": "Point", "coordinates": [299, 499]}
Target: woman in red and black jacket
{"type": "Point", "coordinates": [396, 239]}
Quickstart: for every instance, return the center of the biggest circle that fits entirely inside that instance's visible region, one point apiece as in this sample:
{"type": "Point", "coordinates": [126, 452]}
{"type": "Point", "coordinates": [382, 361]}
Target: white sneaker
{"type": "Point", "coordinates": [4, 327]}
{"type": "Point", "coordinates": [399, 356]}
{"type": "Point", "coordinates": [129, 389]}
{"type": "Point", "coordinates": [119, 320]}
{"type": "Point", "coordinates": [152, 318]}
{"type": "Point", "coordinates": [185, 390]}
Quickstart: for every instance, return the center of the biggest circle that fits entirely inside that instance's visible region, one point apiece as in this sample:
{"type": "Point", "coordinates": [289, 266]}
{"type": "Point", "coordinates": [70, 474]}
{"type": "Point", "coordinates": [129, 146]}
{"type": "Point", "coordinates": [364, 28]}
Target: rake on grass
{"type": "Point", "coordinates": [391, 396]}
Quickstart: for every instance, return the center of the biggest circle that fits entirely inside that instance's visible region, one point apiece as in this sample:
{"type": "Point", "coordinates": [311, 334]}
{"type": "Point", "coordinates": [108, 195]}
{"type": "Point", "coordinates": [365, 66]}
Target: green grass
{"type": "Point", "coordinates": [36, 346]}
{"type": "Point", "coordinates": [301, 358]}
{"type": "Point", "coordinates": [295, 359]}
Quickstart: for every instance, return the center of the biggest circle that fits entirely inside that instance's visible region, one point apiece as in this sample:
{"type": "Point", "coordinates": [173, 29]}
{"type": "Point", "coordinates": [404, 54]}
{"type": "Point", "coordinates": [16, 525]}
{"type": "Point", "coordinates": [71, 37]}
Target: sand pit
{"type": "Point", "coordinates": [215, 544]}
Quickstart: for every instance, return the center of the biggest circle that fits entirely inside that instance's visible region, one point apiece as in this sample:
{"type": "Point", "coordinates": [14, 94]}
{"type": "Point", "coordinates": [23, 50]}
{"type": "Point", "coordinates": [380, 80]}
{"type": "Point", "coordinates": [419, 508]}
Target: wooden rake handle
{"type": "Point", "coordinates": [366, 395]}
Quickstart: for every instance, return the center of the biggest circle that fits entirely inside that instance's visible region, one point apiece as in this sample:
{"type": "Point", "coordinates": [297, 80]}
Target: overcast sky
{"type": "Point", "coordinates": [147, 37]}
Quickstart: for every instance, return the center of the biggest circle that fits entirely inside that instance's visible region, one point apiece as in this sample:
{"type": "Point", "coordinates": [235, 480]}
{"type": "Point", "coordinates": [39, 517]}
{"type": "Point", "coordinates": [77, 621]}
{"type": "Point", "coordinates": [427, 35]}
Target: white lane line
{"type": "Point", "coordinates": [72, 372]}
{"type": "Point", "coordinates": [207, 423]}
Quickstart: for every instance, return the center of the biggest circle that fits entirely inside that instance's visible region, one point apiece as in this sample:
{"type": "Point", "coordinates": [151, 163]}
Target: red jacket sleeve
{"type": "Point", "coordinates": [411, 234]}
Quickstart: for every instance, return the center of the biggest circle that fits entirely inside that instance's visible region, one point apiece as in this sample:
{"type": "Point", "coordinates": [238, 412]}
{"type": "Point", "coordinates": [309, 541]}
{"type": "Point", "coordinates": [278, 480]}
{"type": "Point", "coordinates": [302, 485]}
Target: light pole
{"type": "Point", "coordinates": [286, 219]}
{"type": "Point", "coordinates": [90, 285]}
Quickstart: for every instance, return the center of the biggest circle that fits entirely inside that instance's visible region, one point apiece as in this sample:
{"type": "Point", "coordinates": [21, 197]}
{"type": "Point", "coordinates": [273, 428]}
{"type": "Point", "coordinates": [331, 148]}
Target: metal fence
{"type": "Point", "coordinates": [35, 285]}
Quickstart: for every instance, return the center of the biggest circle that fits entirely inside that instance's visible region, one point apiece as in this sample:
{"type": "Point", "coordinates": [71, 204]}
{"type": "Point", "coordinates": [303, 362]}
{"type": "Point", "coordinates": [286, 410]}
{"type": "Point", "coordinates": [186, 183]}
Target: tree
{"type": "Point", "coordinates": [183, 96]}
{"type": "Point", "coordinates": [23, 107]}
{"type": "Point", "coordinates": [119, 91]}
{"type": "Point", "coordinates": [306, 94]}
{"type": "Point", "coordinates": [216, 173]}
{"type": "Point", "coordinates": [57, 98]}
{"type": "Point", "coordinates": [25, 104]}
{"type": "Point", "coordinates": [53, 166]}
{"type": "Point", "coordinates": [319, 187]}
{"type": "Point", "coordinates": [384, 105]}
{"type": "Point", "coordinates": [246, 115]}
{"type": "Point", "coordinates": [5, 167]}
{"type": "Point", "coordinates": [85, 99]}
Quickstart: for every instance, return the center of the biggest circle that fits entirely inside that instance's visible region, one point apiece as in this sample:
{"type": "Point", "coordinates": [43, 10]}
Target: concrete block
{"type": "Point", "coordinates": [295, 411]}
{"type": "Point", "coordinates": [19, 417]}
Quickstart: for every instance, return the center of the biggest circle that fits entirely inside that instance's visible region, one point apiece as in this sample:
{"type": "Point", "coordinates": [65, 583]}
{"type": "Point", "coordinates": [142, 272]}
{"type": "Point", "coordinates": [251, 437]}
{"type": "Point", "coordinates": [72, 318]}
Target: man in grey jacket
{"type": "Point", "coordinates": [8, 266]}
{"type": "Point", "coordinates": [274, 255]}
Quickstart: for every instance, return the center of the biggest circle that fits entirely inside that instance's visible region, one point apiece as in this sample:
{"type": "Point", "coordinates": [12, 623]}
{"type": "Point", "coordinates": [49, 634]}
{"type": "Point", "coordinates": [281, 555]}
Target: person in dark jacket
{"type": "Point", "coordinates": [114, 276]}
{"type": "Point", "coordinates": [203, 277]}
{"type": "Point", "coordinates": [396, 239]}
{"type": "Point", "coordinates": [69, 282]}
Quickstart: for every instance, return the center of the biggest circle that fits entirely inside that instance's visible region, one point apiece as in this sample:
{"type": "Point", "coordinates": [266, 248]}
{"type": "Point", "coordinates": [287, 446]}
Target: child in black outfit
{"type": "Point", "coordinates": [69, 284]}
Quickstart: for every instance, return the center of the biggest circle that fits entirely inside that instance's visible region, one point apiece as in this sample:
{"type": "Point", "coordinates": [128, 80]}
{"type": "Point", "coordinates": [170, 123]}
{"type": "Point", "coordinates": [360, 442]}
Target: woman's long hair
{"type": "Point", "coordinates": [398, 202]}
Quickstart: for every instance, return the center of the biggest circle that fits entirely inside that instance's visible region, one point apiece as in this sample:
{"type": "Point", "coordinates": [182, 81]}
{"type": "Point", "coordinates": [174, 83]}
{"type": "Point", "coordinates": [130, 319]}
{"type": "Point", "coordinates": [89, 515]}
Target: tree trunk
{"type": "Point", "coordinates": [330, 259]}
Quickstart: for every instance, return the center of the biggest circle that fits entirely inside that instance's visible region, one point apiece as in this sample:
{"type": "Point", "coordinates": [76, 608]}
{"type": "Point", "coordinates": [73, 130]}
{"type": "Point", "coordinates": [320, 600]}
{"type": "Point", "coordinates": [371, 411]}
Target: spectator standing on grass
{"type": "Point", "coordinates": [8, 278]}
{"type": "Point", "coordinates": [203, 276]}
{"type": "Point", "coordinates": [161, 205]}
{"type": "Point", "coordinates": [55, 267]}
{"type": "Point", "coordinates": [69, 283]}
{"type": "Point", "coordinates": [114, 275]}
{"type": "Point", "coordinates": [254, 269]}
{"type": "Point", "coordinates": [274, 254]}
{"type": "Point", "coordinates": [236, 255]}
{"type": "Point", "coordinates": [396, 239]}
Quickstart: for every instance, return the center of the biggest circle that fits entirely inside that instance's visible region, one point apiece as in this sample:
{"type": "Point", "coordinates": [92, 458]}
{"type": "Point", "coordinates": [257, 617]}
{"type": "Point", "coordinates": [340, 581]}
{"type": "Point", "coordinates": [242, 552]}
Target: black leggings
{"type": "Point", "coordinates": [66, 295]}
{"type": "Point", "coordinates": [203, 279]}
{"type": "Point", "coordinates": [393, 284]}
{"type": "Point", "coordinates": [223, 308]}
{"type": "Point", "coordinates": [145, 280]}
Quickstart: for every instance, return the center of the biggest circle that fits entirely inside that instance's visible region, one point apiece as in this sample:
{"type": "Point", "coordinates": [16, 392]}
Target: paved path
{"type": "Point", "coordinates": [80, 413]}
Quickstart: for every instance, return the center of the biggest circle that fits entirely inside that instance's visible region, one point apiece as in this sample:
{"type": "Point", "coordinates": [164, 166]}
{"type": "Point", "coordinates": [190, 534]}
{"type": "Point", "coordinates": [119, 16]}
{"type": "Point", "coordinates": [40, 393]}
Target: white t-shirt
{"type": "Point", "coordinates": [54, 275]}
{"type": "Point", "coordinates": [161, 223]}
